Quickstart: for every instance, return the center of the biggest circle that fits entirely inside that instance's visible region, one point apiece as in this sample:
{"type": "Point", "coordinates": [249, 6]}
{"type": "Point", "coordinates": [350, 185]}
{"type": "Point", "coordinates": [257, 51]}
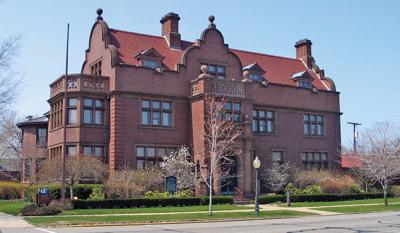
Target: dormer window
{"type": "Point", "coordinates": [305, 84]}
{"type": "Point", "coordinates": [151, 64]}
{"type": "Point", "coordinates": [256, 72]}
{"type": "Point", "coordinates": [216, 70]}
{"type": "Point", "coordinates": [150, 58]}
{"type": "Point", "coordinates": [303, 79]}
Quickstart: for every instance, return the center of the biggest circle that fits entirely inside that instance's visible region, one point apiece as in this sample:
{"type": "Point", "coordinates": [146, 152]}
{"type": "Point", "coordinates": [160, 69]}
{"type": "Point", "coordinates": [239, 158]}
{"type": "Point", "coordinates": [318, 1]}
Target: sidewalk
{"type": "Point", "coordinates": [300, 209]}
{"type": "Point", "coordinates": [12, 222]}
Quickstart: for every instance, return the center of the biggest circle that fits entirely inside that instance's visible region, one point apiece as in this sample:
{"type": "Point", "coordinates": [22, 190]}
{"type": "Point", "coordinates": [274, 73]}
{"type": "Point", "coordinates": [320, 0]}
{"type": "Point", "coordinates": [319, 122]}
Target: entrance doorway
{"type": "Point", "coordinates": [229, 168]}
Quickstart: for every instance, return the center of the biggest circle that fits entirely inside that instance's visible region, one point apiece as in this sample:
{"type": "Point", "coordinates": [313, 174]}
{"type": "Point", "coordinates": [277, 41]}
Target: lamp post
{"type": "Point", "coordinates": [256, 165]}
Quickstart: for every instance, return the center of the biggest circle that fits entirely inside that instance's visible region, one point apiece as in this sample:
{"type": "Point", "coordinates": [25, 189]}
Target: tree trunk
{"type": "Point", "coordinates": [385, 195]}
{"type": "Point", "coordinates": [210, 197]}
{"type": "Point", "coordinates": [71, 191]}
{"type": "Point", "coordinates": [288, 198]}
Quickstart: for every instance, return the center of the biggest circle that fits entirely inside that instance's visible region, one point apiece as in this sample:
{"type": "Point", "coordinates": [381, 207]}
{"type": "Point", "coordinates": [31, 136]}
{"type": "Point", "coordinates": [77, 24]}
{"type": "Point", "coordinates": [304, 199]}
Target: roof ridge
{"type": "Point", "coordinates": [264, 54]}
{"type": "Point", "coordinates": [136, 33]}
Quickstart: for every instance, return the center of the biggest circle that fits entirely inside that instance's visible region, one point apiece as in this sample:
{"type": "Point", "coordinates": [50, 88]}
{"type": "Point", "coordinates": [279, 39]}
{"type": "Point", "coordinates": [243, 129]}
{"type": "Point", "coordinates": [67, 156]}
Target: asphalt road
{"type": "Point", "coordinates": [356, 223]}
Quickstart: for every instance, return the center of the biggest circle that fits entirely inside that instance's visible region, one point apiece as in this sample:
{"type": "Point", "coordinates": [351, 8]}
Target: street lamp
{"type": "Point", "coordinates": [256, 165]}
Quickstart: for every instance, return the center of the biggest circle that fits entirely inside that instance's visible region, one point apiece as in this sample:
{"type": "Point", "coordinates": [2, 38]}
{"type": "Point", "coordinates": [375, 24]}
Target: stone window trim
{"type": "Point", "coordinates": [266, 115]}
{"type": "Point", "coordinates": [96, 67]}
{"type": "Point", "coordinates": [314, 159]}
{"type": "Point", "coordinates": [97, 106]}
{"type": "Point", "coordinates": [156, 110]}
{"type": "Point", "coordinates": [314, 125]}
{"type": "Point", "coordinates": [152, 154]}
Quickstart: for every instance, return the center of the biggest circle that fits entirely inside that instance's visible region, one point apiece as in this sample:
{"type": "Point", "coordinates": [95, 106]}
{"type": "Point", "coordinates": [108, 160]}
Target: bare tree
{"type": "Point", "coordinates": [10, 137]}
{"type": "Point", "coordinates": [77, 168]}
{"type": "Point", "coordinates": [380, 154]}
{"type": "Point", "coordinates": [178, 164]}
{"type": "Point", "coordinates": [9, 49]}
{"type": "Point", "coordinates": [221, 131]}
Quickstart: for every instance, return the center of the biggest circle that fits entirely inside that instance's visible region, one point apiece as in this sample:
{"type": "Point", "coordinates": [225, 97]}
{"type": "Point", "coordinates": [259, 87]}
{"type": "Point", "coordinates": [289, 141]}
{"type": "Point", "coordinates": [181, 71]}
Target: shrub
{"type": "Point", "coordinates": [354, 188]}
{"type": "Point", "coordinates": [156, 194]}
{"type": "Point", "coordinates": [395, 189]}
{"type": "Point", "coordinates": [11, 190]}
{"type": "Point", "coordinates": [320, 197]}
{"type": "Point", "coordinates": [337, 185]}
{"type": "Point", "coordinates": [148, 202]}
{"type": "Point", "coordinates": [82, 191]}
{"type": "Point", "coordinates": [34, 210]}
{"type": "Point", "coordinates": [184, 193]}
{"type": "Point", "coordinates": [97, 194]}
{"type": "Point", "coordinates": [312, 190]}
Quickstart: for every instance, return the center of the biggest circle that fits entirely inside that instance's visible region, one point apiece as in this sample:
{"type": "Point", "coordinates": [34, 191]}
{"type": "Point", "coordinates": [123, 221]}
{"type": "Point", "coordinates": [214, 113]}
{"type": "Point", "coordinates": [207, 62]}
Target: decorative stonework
{"type": "Point", "coordinates": [227, 88]}
{"type": "Point", "coordinates": [195, 89]}
{"type": "Point", "coordinates": [72, 83]}
{"type": "Point", "coordinates": [90, 83]}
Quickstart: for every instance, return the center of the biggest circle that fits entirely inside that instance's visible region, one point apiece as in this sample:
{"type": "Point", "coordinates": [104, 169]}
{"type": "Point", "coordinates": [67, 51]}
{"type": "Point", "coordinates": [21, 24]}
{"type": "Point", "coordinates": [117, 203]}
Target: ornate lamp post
{"type": "Point", "coordinates": [256, 165]}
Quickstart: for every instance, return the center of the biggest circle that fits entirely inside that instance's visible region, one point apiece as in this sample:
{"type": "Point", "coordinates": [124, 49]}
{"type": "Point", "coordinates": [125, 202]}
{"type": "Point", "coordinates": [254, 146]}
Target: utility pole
{"type": "Point", "coordinates": [64, 151]}
{"type": "Point", "coordinates": [355, 124]}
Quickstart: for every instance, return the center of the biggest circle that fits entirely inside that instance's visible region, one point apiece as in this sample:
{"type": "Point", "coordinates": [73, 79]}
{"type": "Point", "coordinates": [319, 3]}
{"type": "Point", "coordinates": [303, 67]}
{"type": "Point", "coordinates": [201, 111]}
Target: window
{"type": "Point", "coordinates": [151, 63]}
{"type": "Point", "coordinates": [147, 156]}
{"type": "Point", "coordinates": [313, 125]}
{"type": "Point", "coordinates": [277, 156]}
{"type": "Point", "coordinates": [263, 121]}
{"type": "Point", "coordinates": [56, 114]}
{"type": "Point", "coordinates": [97, 151]}
{"type": "Point", "coordinates": [314, 160]}
{"type": "Point", "coordinates": [41, 136]}
{"type": "Point", "coordinates": [95, 68]}
{"type": "Point", "coordinates": [72, 112]}
{"type": "Point", "coordinates": [256, 77]}
{"type": "Point", "coordinates": [71, 150]}
{"type": "Point", "coordinates": [232, 111]}
{"type": "Point", "coordinates": [156, 113]}
{"type": "Point", "coordinates": [216, 70]}
{"type": "Point", "coordinates": [93, 112]}
{"type": "Point", "coordinates": [305, 84]}
{"type": "Point", "coordinates": [87, 150]}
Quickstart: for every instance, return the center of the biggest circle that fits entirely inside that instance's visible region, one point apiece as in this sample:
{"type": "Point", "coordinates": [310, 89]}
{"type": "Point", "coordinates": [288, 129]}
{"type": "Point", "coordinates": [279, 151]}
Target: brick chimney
{"type": "Point", "coordinates": [170, 29]}
{"type": "Point", "coordinates": [303, 52]}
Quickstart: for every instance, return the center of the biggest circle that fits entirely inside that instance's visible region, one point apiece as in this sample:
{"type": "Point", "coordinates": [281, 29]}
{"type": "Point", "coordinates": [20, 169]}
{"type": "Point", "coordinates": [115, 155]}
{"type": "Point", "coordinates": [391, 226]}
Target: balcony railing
{"type": "Point", "coordinates": [219, 87]}
{"type": "Point", "coordinates": [80, 82]}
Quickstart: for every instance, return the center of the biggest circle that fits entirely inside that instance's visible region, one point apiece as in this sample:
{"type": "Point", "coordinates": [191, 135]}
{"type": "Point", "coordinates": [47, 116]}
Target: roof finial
{"type": "Point", "coordinates": [99, 12]}
{"type": "Point", "coordinates": [211, 18]}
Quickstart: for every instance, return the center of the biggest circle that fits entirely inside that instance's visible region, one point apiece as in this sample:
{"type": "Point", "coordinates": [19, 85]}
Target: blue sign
{"type": "Point", "coordinates": [171, 184]}
{"type": "Point", "coordinates": [43, 191]}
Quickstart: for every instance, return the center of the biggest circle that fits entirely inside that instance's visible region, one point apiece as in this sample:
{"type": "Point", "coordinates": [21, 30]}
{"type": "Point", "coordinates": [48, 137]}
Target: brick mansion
{"type": "Point", "coordinates": [139, 97]}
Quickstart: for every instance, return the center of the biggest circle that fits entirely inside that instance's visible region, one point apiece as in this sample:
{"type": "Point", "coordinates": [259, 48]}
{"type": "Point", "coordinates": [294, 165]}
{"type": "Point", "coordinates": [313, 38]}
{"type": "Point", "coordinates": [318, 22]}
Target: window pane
{"type": "Point", "coordinates": [270, 115]}
{"type": "Point", "coordinates": [87, 102]}
{"type": "Point", "coordinates": [170, 150]}
{"type": "Point", "coordinates": [145, 104]}
{"type": "Point", "coordinates": [87, 150]}
{"type": "Point", "coordinates": [99, 104]}
{"type": "Point", "coordinates": [317, 157]}
{"type": "Point", "coordinates": [151, 152]}
{"type": "Point", "coordinates": [72, 116]}
{"type": "Point", "coordinates": [306, 128]}
{"type": "Point", "coordinates": [71, 150]}
{"type": "Point", "coordinates": [161, 151]}
{"type": "Point", "coordinates": [255, 125]}
{"type": "Point", "coordinates": [236, 107]}
{"type": "Point", "coordinates": [277, 156]}
{"type": "Point", "coordinates": [236, 117]}
{"type": "Point", "coordinates": [166, 119]}
{"type": "Point", "coordinates": [140, 164]}
{"type": "Point", "coordinates": [156, 104]}
{"type": "Point", "coordinates": [140, 151]}
{"type": "Point", "coordinates": [306, 117]}
{"type": "Point", "coordinates": [212, 68]}
{"type": "Point", "coordinates": [166, 106]}
{"type": "Point", "coordinates": [319, 130]}
{"type": "Point", "coordinates": [303, 157]}
{"type": "Point", "coordinates": [228, 106]}
{"type": "Point", "coordinates": [72, 102]}
{"type": "Point", "coordinates": [99, 117]}
{"type": "Point", "coordinates": [98, 151]}
{"type": "Point", "coordinates": [156, 118]}
{"type": "Point", "coordinates": [261, 114]}
{"type": "Point", "coordinates": [42, 135]}
{"type": "Point", "coordinates": [145, 118]}
{"type": "Point", "coordinates": [87, 116]}
{"type": "Point", "coordinates": [324, 156]}
{"type": "Point", "coordinates": [221, 69]}
{"type": "Point", "coordinates": [310, 156]}
{"type": "Point", "coordinates": [254, 113]}
{"type": "Point", "coordinates": [313, 118]}
{"type": "Point", "coordinates": [313, 129]}
{"type": "Point", "coordinates": [262, 126]}
{"type": "Point", "coordinates": [320, 119]}
{"type": "Point", "coordinates": [270, 126]}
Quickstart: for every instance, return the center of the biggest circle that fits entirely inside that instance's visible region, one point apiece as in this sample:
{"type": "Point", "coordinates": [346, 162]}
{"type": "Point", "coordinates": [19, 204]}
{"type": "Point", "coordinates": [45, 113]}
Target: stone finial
{"type": "Point", "coordinates": [204, 69]}
{"type": "Point", "coordinates": [211, 18]}
{"type": "Point", "coordinates": [99, 12]}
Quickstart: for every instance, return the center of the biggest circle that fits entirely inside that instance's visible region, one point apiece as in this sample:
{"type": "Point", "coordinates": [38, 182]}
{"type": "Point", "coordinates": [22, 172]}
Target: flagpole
{"type": "Point", "coordinates": [65, 123]}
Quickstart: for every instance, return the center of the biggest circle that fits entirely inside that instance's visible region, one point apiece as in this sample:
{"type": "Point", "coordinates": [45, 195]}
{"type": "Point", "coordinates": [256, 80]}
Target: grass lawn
{"type": "Point", "coordinates": [334, 203]}
{"type": "Point", "coordinates": [135, 219]}
{"type": "Point", "coordinates": [12, 207]}
{"type": "Point", "coordinates": [362, 209]}
{"type": "Point", "coordinates": [153, 210]}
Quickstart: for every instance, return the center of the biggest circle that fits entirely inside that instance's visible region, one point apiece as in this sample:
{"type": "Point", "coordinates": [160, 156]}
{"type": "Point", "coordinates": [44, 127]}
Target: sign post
{"type": "Point", "coordinates": [171, 185]}
{"type": "Point", "coordinates": [43, 197]}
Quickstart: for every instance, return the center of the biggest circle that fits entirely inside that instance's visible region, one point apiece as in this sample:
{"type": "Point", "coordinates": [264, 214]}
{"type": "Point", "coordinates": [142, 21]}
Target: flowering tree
{"type": "Point", "coordinates": [178, 164]}
{"type": "Point", "coordinates": [220, 134]}
{"type": "Point", "coordinates": [380, 154]}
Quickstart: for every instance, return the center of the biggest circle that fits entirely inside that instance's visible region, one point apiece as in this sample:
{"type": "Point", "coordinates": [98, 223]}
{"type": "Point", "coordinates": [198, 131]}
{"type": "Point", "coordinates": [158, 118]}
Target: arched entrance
{"type": "Point", "coordinates": [229, 181]}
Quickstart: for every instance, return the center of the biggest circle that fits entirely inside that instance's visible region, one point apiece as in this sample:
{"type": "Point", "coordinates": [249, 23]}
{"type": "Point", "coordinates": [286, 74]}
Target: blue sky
{"type": "Point", "coordinates": [356, 42]}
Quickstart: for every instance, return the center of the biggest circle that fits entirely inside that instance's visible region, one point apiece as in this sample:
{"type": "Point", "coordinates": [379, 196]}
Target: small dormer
{"type": "Point", "coordinates": [150, 58]}
{"type": "Point", "coordinates": [256, 73]}
{"type": "Point", "coordinates": [303, 79]}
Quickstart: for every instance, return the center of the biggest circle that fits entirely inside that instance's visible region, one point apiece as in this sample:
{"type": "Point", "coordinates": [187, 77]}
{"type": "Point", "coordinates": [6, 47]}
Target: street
{"type": "Point", "coordinates": [358, 223]}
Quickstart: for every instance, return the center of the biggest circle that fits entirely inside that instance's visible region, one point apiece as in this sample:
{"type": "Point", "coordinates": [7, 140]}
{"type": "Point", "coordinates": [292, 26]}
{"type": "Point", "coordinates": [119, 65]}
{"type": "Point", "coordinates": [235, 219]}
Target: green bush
{"type": "Point", "coordinates": [97, 194]}
{"type": "Point", "coordinates": [156, 194]}
{"type": "Point", "coordinates": [320, 197]}
{"type": "Point", "coordinates": [11, 190]}
{"type": "Point", "coordinates": [34, 210]}
{"type": "Point", "coordinates": [82, 191]}
{"type": "Point", "coordinates": [354, 188]}
{"type": "Point", "coordinates": [395, 189]}
{"type": "Point", "coordinates": [312, 190]}
{"type": "Point", "coordinates": [148, 202]}
{"type": "Point", "coordinates": [184, 193]}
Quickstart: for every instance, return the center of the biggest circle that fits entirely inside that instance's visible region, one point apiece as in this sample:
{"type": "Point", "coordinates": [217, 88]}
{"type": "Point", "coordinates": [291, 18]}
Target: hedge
{"type": "Point", "coordinates": [320, 197]}
{"type": "Point", "coordinates": [11, 190]}
{"type": "Point", "coordinates": [82, 191]}
{"type": "Point", "coordinates": [148, 202]}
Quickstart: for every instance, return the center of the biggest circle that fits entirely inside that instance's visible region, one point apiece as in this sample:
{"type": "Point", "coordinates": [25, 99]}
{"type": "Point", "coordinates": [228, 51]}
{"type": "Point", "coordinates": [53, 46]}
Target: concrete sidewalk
{"type": "Point", "coordinates": [12, 222]}
{"type": "Point", "coordinates": [300, 209]}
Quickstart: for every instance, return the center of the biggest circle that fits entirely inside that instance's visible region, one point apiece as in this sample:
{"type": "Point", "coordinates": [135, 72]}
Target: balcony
{"type": "Point", "coordinates": [79, 82]}
{"type": "Point", "coordinates": [227, 88]}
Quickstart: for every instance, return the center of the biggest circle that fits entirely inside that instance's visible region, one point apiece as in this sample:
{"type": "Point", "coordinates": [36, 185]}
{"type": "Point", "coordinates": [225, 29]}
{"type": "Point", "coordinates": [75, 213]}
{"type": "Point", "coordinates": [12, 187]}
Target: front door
{"type": "Point", "coordinates": [229, 178]}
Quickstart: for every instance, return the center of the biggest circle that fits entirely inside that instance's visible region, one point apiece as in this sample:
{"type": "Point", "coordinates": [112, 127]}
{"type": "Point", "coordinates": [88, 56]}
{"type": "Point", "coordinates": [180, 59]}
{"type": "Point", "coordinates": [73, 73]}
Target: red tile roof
{"type": "Point", "coordinates": [278, 69]}
{"type": "Point", "coordinates": [351, 161]}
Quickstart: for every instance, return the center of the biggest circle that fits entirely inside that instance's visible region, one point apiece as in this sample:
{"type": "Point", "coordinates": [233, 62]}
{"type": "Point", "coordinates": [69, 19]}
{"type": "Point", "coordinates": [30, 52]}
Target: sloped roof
{"type": "Point", "coordinates": [351, 161]}
{"type": "Point", "coordinates": [34, 121]}
{"type": "Point", "coordinates": [278, 69]}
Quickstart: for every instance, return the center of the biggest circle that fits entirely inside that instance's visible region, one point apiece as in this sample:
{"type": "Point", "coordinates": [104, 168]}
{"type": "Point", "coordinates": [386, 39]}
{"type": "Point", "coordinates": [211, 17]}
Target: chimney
{"type": "Point", "coordinates": [28, 118]}
{"type": "Point", "coordinates": [303, 52]}
{"type": "Point", "coordinates": [170, 30]}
